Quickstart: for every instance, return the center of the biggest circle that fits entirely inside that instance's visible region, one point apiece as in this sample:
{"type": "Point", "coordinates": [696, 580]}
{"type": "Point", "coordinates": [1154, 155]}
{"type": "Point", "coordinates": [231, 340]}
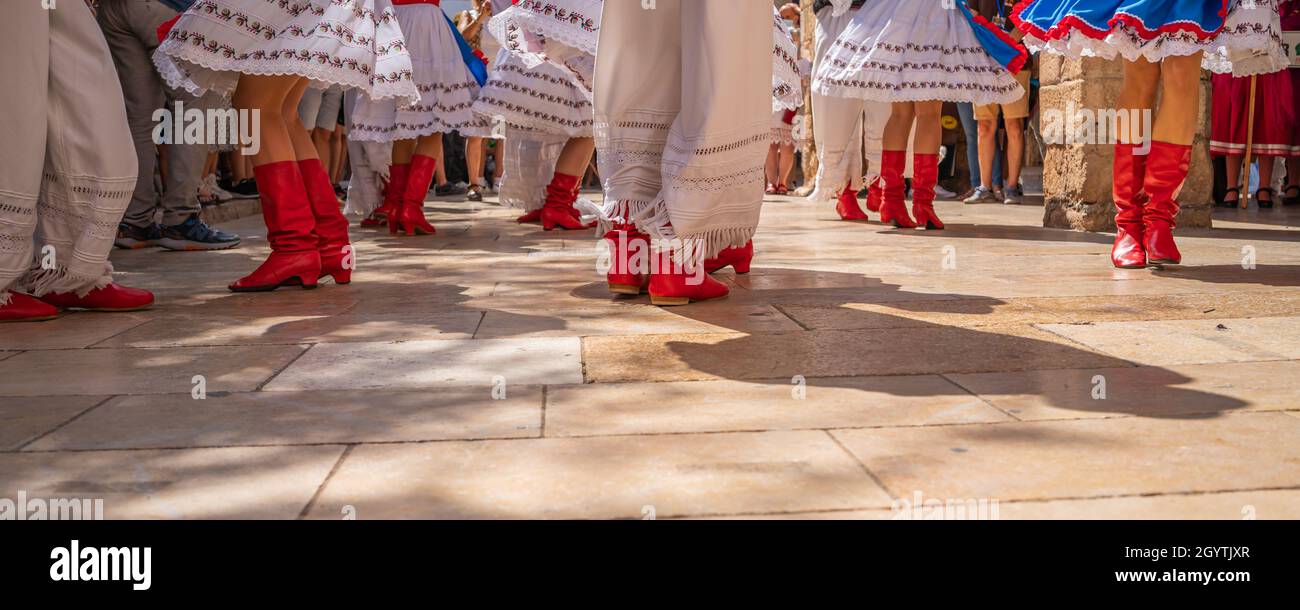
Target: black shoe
{"type": "Point", "coordinates": [245, 189]}
{"type": "Point", "coordinates": [195, 235]}
{"type": "Point", "coordinates": [445, 190]}
{"type": "Point", "coordinates": [475, 195]}
{"type": "Point", "coordinates": [135, 238]}
{"type": "Point", "coordinates": [1265, 204]}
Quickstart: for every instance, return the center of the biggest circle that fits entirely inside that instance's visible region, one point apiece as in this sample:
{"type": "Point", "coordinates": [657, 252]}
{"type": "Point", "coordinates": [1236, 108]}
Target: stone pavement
{"type": "Point", "coordinates": [858, 371]}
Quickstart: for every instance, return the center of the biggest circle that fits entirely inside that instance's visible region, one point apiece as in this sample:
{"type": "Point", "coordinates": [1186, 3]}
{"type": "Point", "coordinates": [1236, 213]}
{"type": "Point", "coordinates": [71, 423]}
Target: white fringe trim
{"type": "Point", "coordinates": [41, 282]}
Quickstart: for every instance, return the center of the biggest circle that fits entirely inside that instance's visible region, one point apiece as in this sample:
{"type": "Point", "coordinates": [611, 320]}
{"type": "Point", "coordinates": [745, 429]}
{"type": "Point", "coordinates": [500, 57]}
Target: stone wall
{"type": "Point", "coordinates": [1077, 177]}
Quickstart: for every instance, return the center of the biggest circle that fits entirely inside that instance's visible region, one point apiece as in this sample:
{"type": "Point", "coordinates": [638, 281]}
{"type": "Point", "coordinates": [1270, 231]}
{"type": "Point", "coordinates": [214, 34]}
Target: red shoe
{"type": "Point", "coordinates": [336, 254]}
{"type": "Point", "coordinates": [290, 228]}
{"type": "Point", "coordinates": [1129, 174]}
{"type": "Point", "coordinates": [875, 196]}
{"type": "Point", "coordinates": [1167, 167]}
{"type": "Point", "coordinates": [409, 217]}
{"type": "Point", "coordinates": [397, 176]}
{"type": "Point", "coordinates": [893, 207]}
{"type": "Point", "coordinates": [848, 206]}
{"type": "Point", "coordinates": [559, 212]}
{"type": "Point", "coordinates": [782, 189]}
{"type": "Point", "coordinates": [630, 254]}
{"type": "Point", "coordinates": [736, 258]}
{"type": "Point", "coordinates": [109, 298]}
{"type": "Point", "coordinates": [534, 217]}
{"type": "Point", "coordinates": [23, 308]}
{"type": "Point", "coordinates": [672, 284]}
{"type": "Point", "coordinates": [925, 170]}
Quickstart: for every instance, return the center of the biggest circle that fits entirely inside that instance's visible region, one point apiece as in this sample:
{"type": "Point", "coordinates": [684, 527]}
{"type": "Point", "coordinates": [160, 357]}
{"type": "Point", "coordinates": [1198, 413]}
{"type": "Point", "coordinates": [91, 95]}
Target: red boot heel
{"type": "Point", "coordinates": [559, 213]}
{"type": "Point", "coordinates": [290, 223]}
{"type": "Point", "coordinates": [738, 259]}
{"type": "Point", "coordinates": [409, 218]}
{"type": "Point", "coordinates": [926, 169]}
{"type": "Point", "coordinates": [847, 207]}
{"type": "Point", "coordinates": [283, 269]}
{"type": "Point", "coordinates": [1167, 167]}
{"type": "Point", "coordinates": [630, 253]}
{"type": "Point", "coordinates": [1129, 174]}
{"type": "Point", "coordinates": [672, 285]}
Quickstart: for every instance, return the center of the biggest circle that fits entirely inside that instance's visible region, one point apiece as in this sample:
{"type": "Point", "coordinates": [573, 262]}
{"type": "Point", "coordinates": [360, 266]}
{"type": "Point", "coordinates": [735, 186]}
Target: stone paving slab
{"type": "Point", "coordinates": [234, 483]}
{"type": "Point", "coordinates": [24, 419]}
{"type": "Point", "coordinates": [600, 478]}
{"type": "Point", "coordinates": [430, 364]}
{"type": "Point", "coordinates": [1097, 457]}
{"type": "Point", "coordinates": [182, 331]}
{"type": "Point", "coordinates": [589, 322]}
{"type": "Point", "coordinates": [719, 406]}
{"type": "Point", "coordinates": [68, 331]}
{"type": "Point", "coordinates": [141, 371]}
{"type": "Point", "coordinates": [1190, 341]}
{"type": "Point", "coordinates": [301, 418]}
{"type": "Point", "coordinates": [1203, 390]}
{"type": "Point", "coordinates": [832, 354]}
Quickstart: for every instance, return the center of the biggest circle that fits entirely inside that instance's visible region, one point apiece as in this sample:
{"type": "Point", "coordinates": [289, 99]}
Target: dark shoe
{"type": "Point", "coordinates": [1264, 204]}
{"type": "Point", "coordinates": [1288, 198]}
{"type": "Point", "coordinates": [475, 195]}
{"type": "Point", "coordinates": [1233, 203]}
{"type": "Point", "coordinates": [444, 190]}
{"type": "Point", "coordinates": [195, 235]}
{"type": "Point", "coordinates": [135, 238]}
{"type": "Point", "coordinates": [245, 189]}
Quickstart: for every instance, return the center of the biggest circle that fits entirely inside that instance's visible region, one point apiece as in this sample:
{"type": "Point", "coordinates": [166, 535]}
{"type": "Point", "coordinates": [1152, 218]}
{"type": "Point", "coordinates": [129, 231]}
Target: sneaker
{"type": "Point", "coordinates": [981, 195]}
{"type": "Point", "coordinates": [212, 188]}
{"type": "Point", "coordinates": [135, 238]}
{"type": "Point", "coordinates": [943, 193]}
{"type": "Point", "coordinates": [1014, 195]}
{"type": "Point", "coordinates": [196, 235]}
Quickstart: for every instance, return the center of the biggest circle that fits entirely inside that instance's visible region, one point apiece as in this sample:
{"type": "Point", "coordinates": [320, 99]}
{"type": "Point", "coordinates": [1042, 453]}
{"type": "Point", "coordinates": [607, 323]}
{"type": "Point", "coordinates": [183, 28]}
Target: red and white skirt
{"type": "Point", "coordinates": [1275, 116]}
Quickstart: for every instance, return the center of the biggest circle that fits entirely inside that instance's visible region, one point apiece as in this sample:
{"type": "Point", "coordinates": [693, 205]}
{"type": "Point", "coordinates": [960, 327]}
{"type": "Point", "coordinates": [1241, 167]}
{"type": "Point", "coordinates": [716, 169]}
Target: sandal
{"type": "Point", "coordinates": [1235, 202]}
{"type": "Point", "coordinates": [1288, 198]}
{"type": "Point", "coordinates": [771, 189]}
{"type": "Point", "coordinates": [1265, 205]}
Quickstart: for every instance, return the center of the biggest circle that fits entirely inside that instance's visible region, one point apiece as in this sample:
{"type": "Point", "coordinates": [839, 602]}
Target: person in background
{"type": "Point", "coordinates": [471, 24]}
{"type": "Point", "coordinates": [1013, 117]}
{"type": "Point", "coordinates": [319, 111]}
{"type": "Point", "coordinates": [131, 29]}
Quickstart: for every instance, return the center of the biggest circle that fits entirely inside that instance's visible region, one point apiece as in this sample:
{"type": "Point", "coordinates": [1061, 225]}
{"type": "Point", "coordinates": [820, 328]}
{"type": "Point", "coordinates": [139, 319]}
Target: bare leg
{"type": "Point", "coordinates": [1015, 150]}
{"type": "Point", "coordinates": [304, 146]}
{"type": "Point", "coordinates": [1234, 179]}
{"type": "Point", "coordinates": [898, 129]}
{"type": "Point", "coordinates": [576, 156]}
{"type": "Point", "coordinates": [771, 167]}
{"type": "Point", "coordinates": [929, 127]}
{"type": "Point", "coordinates": [474, 161]}
{"type": "Point", "coordinates": [988, 146]}
{"type": "Point", "coordinates": [1180, 100]}
{"type": "Point", "coordinates": [267, 95]}
{"type": "Point", "coordinates": [787, 164]}
{"type": "Point", "coordinates": [1141, 84]}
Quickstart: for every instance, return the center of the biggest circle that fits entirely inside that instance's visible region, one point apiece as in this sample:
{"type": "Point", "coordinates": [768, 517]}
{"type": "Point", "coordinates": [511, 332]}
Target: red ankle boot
{"type": "Point", "coordinates": [409, 217]}
{"type": "Point", "coordinates": [109, 298]}
{"type": "Point", "coordinates": [1129, 174]}
{"type": "Point", "coordinates": [629, 270]}
{"type": "Point", "coordinates": [925, 176]}
{"type": "Point", "coordinates": [336, 258]}
{"type": "Point", "coordinates": [531, 218]}
{"type": "Point", "coordinates": [1167, 167]}
{"type": "Point", "coordinates": [290, 229]}
{"type": "Point", "coordinates": [561, 193]}
{"type": "Point", "coordinates": [672, 284]}
{"type": "Point", "coordinates": [736, 258]}
{"type": "Point", "coordinates": [22, 308]}
{"type": "Point", "coordinates": [848, 205]}
{"type": "Point", "coordinates": [397, 175]}
{"type": "Point", "coordinates": [874, 195]}
{"type": "Point", "coordinates": [893, 206]}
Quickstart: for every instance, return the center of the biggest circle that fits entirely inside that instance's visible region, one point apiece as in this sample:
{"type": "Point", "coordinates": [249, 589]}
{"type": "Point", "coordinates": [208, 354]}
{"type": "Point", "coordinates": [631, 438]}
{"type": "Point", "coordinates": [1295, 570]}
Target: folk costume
{"type": "Point", "coordinates": [70, 170]}
{"type": "Point", "coordinates": [1241, 37]}
{"type": "Point", "coordinates": [907, 51]}
{"type": "Point", "coordinates": [446, 71]}
{"type": "Point", "coordinates": [683, 100]}
{"type": "Point", "coordinates": [355, 44]}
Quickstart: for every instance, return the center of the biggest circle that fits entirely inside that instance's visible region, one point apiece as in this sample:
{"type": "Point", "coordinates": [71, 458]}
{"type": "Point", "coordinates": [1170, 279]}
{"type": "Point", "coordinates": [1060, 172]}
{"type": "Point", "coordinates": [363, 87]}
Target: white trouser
{"type": "Point", "coordinates": [683, 96]}
{"type": "Point", "coordinates": [68, 167]}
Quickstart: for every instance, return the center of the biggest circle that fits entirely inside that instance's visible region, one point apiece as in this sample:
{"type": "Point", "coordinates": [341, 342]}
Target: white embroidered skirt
{"type": "Point", "coordinates": [352, 43]}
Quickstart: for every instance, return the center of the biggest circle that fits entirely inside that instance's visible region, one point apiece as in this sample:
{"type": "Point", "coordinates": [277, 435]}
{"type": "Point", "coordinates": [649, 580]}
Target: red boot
{"type": "Point", "coordinates": [22, 308]}
{"type": "Point", "coordinates": [672, 284]}
{"type": "Point", "coordinates": [893, 207]}
{"type": "Point", "coordinates": [561, 193]}
{"type": "Point", "coordinates": [925, 176]}
{"type": "Point", "coordinates": [532, 218]}
{"type": "Point", "coordinates": [109, 298]}
{"type": "Point", "coordinates": [336, 258]}
{"type": "Point", "coordinates": [409, 217]}
{"type": "Point", "coordinates": [874, 195]}
{"type": "Point", "coordinates": [848, 205]}
{"type": "Point", "coordinates": [736, 258]}
{"type": "Point", "coordinates": [397, 175]}
{"type": "Point", "coordinates": [290, 228]}
{"type": "Point", "coordinates": [1129, 174]}
{"type": "Point", "coordinates": [1167, 167]}
{"type": "Point", "coordinates": [629, 271]}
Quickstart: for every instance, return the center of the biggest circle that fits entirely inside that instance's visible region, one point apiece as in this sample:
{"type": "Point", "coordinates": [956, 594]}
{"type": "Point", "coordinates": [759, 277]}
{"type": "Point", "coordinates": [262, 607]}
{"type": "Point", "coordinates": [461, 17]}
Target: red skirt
{"type": "Point", "coordinates": [1277, 131]}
